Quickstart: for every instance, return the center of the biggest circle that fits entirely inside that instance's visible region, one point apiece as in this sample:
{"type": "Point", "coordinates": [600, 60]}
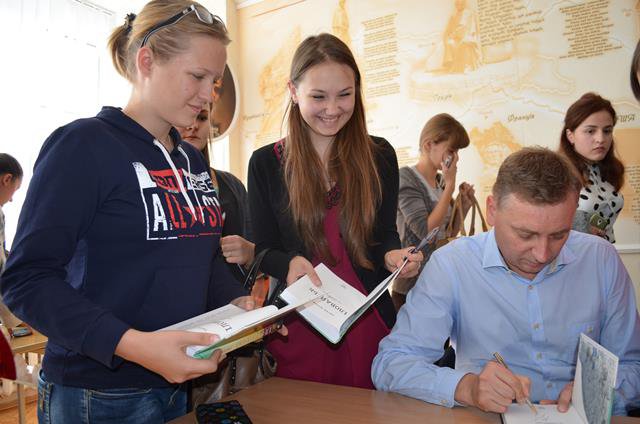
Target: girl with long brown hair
{"type": "Point", "coordinates": [328, 193]}
{"type": "Point", "coordinates": [587, 141]}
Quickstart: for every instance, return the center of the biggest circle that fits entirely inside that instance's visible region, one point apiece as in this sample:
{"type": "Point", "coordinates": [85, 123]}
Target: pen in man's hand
{"type": "Point", "coordinates": [501, 361]}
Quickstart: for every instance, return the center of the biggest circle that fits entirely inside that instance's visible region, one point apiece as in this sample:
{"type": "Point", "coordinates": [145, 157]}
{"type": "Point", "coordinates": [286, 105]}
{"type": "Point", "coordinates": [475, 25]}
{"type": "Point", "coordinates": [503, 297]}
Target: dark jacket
{"type": "Point", "coordinates": [108, 241]}
{"type": "Point", "coordinates": [274, 228]}
{"type": "Point", "coordinates": [235, 205]}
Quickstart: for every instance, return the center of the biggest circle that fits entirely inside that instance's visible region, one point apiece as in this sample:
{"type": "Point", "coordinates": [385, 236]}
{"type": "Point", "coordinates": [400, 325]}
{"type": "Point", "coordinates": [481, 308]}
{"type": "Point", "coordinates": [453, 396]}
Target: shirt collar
{"type": "Point", "coordinates": [492, 258]}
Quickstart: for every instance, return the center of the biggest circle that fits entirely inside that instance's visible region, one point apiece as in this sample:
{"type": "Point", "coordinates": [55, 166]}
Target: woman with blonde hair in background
{"type": "Point", "coordinates": [328, 193]}
{"type": "Point", "coordinates": [425, 195]}
{"type": "Point", "coordinates": [119, 229]}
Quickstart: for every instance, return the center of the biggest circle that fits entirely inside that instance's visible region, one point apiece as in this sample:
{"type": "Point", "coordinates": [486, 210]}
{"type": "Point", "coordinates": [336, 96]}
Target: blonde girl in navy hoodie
{"type": "Point", "coordinates": [118, 231]}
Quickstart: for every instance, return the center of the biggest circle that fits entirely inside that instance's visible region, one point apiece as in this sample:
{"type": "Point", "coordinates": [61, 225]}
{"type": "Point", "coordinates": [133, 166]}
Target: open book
{"type": "Point", "coordinates": [237, 327]}
{"type": "Point", "coordinates": [592, 396]}
{"type": "Point", "coordinates": [338, 306]}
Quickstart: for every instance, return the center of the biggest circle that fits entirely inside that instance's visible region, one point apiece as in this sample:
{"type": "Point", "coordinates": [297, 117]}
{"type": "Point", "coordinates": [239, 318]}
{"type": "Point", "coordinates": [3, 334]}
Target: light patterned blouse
{"type": "Point", "coordinates": [599, 198]}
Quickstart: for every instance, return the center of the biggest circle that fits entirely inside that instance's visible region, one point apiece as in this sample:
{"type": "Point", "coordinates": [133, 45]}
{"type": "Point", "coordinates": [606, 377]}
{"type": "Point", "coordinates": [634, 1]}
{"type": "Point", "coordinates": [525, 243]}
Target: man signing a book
{"type": "Point", "coordinates": [525, 289]}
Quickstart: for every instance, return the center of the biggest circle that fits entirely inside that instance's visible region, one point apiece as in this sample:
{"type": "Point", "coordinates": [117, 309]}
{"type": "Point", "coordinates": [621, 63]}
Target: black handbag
{"type": "Point", "coordinates": [243, 367]}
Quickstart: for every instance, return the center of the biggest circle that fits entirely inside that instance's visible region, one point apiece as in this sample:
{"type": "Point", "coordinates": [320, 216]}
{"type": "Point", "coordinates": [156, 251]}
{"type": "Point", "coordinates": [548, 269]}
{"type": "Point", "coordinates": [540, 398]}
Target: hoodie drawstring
{"type": "Point", "coordinates": [175, 173]}
{"type": "Point", "coordinates": [191, 181]}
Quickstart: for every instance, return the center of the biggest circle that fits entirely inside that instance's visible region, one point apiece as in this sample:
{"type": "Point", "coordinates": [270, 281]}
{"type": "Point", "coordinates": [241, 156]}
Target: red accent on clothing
{"type": "Point", "coordinates": [306, 355]}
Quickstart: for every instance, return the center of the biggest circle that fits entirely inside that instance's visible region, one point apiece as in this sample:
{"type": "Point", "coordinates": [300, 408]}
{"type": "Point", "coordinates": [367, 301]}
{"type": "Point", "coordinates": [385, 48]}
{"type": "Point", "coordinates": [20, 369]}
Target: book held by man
{"type": "Point", "coordinates": [592, 396]}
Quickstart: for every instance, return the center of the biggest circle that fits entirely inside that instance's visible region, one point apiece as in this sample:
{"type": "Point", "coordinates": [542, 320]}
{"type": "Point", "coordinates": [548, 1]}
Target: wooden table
{"type": "Point", "coordinates": [280, 400]}
{"type": "Point", "coordinates": [34, 343]}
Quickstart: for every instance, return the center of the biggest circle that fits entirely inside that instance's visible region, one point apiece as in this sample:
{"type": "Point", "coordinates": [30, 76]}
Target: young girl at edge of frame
{"type": "Point", "coordinates": [587, 141]}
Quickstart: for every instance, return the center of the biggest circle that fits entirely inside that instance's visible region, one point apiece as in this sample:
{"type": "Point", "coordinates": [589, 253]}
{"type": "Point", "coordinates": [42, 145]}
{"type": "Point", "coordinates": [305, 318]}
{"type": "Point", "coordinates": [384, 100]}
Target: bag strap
{"type": "Point", "coordinates": [461, 216]}
{"type": "Point", "coordinates": [253, 274]}
{"type": "Point", "coordinates": [254, 270]}
{"type": "Point", "coordinates": [485, 227]}
{"type": "Point", "coordinates": [449, 227]}
{"type": "Point", "coordinates": [472, 227]}
{"type": "Point", "coordinates": [475, 207]}
{"type": "Point", "coordinates": [457, 209]}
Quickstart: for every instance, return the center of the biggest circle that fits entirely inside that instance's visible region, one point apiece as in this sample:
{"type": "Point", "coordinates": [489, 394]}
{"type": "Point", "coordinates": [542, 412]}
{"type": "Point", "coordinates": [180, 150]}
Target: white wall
{"type": "Point", "coordinates": [56, 69]}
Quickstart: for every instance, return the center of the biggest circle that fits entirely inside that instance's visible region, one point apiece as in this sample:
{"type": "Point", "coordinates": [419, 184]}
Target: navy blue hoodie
{"type": "Point", "coordinates": [115, 233]}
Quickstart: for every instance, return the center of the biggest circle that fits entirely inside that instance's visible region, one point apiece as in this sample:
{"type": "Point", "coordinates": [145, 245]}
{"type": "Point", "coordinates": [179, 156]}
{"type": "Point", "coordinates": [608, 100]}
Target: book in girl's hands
{"type": "Point", "coordinates": [338, 306]}
{"type": "Point", "coordinates": [237, 327]}
{"type": "Point", "coordinates": [592, 396]}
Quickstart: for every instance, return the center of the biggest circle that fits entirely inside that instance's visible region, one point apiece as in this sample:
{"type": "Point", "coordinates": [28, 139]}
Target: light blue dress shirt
{"type": "Point", "coordinates": [466, 292]}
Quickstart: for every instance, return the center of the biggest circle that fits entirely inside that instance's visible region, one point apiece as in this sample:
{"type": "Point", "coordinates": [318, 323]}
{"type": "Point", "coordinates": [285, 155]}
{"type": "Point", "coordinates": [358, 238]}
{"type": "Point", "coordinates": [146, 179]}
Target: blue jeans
{"type": "Point", "coordinates": [58, 404]}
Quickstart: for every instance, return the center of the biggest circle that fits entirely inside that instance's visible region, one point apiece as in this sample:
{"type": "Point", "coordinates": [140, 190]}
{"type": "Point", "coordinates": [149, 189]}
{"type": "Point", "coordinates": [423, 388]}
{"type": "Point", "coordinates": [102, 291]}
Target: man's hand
{"type": "Point", "coordinates": [493, 390]}
{"type": "Point", "coordinates": [564, 400]}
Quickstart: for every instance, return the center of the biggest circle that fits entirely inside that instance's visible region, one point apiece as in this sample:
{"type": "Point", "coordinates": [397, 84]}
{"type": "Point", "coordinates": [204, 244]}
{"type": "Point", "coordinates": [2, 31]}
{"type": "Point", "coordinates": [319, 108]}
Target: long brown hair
{"type": "Point", "coordinates": [611, 169]}
{"type": "Point", "coordinates": [351, 163]}
{"type": "Point", "coordinates": [633, 72]}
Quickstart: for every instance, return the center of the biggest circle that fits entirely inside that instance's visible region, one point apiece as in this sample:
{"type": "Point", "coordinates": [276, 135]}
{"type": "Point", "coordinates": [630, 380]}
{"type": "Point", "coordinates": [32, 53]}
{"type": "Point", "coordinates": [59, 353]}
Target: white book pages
{"type": "Point", "coordinates": [547, 414]}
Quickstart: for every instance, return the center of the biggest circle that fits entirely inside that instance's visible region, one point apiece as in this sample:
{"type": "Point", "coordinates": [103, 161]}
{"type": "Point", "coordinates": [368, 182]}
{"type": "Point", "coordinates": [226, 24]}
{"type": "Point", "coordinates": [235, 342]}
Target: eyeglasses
{"type": "Point", "coordinates": [202, 14]}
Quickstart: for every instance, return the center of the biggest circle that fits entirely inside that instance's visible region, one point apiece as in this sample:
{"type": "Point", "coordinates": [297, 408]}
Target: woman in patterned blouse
{"type": "Point", "coordinates": [587, 141]}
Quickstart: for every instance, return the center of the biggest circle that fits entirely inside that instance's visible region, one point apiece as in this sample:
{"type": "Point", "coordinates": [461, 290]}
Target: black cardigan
{"type": "Point", "coordinates": [273, 225]}
{"type": "Point", "coordinates": [235, 204]}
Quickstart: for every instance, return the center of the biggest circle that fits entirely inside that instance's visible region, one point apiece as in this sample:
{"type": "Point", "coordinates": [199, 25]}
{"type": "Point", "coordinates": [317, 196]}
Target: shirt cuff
{"type": "Point", "coordinates": [448, 386]}
{"type": "Point", "coordinates": [102, 338]}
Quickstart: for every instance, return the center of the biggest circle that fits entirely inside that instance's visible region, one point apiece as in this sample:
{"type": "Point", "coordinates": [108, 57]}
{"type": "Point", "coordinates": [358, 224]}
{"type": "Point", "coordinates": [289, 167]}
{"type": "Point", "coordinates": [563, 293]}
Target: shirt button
{"type": "Point", "coordinates": [530, 286]}
{"type": "Point", "coordinates": [589, 329]}
{"type": "Point", "coordinates": [549, 385]}
{"type": "Point", "coordinates": [538, 355]}
{"type": "Point", "coordinates": [443, 402]}
{"type": "Point", "coordinates": [536, 326]}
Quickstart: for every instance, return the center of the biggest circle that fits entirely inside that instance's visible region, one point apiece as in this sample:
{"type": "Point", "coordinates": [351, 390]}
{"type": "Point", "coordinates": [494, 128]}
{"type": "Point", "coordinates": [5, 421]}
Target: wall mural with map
{"type": "Point", "coordinates": [507, 69]}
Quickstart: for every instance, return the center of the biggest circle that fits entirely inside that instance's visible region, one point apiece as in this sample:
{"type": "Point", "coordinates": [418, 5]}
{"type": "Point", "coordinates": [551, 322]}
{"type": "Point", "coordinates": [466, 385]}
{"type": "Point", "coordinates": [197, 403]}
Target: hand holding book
{"type": "Point", "coordinates": [235, 326]}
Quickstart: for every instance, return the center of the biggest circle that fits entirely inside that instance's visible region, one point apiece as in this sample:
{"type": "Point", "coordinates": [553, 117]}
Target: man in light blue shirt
{"type": "Point", "coordinates": [525, 289]}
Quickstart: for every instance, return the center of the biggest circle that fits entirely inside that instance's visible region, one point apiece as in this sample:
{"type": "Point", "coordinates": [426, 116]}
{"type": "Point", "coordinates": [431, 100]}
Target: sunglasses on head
{"type": "Point", "coordinates": [202, 14]}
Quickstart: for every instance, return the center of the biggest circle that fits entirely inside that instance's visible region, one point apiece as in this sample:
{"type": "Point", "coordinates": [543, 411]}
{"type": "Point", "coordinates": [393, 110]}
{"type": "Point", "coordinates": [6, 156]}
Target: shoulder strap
{"type": "Point", "coordinates": [250, 279]}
